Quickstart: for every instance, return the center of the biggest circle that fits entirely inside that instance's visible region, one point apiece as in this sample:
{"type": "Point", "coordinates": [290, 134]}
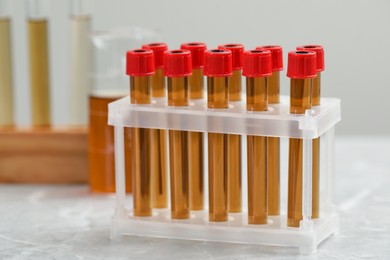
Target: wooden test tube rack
{"type": "Point", "coordinates": [44, 155]}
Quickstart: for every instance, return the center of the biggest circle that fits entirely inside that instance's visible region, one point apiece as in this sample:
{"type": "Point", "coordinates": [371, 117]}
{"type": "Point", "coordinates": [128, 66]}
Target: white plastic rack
{"type": "Point", "coordinates": [277, 122]}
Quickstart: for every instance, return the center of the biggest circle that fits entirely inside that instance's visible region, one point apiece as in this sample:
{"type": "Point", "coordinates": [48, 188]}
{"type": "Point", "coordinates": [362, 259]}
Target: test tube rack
{"type": "Point", "coordinates": [319, 121]}
{"type": "Point", "coordinates": [55, 155]}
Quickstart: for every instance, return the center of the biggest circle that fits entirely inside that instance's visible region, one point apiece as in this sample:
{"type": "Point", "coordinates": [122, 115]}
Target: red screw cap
{"type": "Point", "coordinates": [319, 50]}
{"type": "Point", "coordinates": [257, 63]}
{"type": "Point", "coordinates": [302, 64]}
{"type": "Point", "coordinates": [237, 50]}
{"type": "Point", "coordinates": [139, 62]}
{"type": "Point", "coordinates": [277, 56]}
{"type": "Point", "coordinates": [217, 63]}
{"type": "Point", "coordinates": [197, 53]}
{"type": "Point", "coordinates": [177, 63]}
{"type": "Point", "coordinates": [158, 48]}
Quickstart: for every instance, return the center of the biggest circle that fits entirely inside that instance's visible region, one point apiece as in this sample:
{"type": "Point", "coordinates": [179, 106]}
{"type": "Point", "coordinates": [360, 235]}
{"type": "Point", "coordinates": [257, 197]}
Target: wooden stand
{"type": "Point", "coordinates": [44, 155]}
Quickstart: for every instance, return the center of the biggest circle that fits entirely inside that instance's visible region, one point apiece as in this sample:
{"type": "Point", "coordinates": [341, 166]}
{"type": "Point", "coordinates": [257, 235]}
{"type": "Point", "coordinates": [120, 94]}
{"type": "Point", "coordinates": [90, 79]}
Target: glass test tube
{"type": "Point", "coordinates": [257, 69]}
{"type": "Point", "coordinates": [301, 70]}
{"type": "Point", "coordinates": [140, 67]}
{"type": "Point", "coordinates": [6, 83]}
{"type": "Point", "coordinates": [177, 68]}
{"type": "Point", "coordinates": [316, 100]}
{"type": "Point", "coordinates": [80, 62]}
{"type": "Point", "coordinates": [234, 141]}
{"type": "Point", "coordinates": [158, 141]}
{"type": "Point", "coordinates": [39, 62]}
{"type": "Point", "coordinates": [218, 69]}
{"type": "Point", "coordinates": [195, 145]}
{"type": "Point", "coordinates": [274, 142]}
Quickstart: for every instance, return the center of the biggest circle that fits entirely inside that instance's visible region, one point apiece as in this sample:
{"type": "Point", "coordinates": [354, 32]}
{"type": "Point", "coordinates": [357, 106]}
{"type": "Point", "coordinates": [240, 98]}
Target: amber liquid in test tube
{"type": "Point", "coordinates": [158, 139]}
{"type": "Point", "coordinates": [39, 63]}
{"type": "Point", "coordinates": [140, 67]}
{"type": "Point", "coordinates": [6, 84]}
{"type": "Point", "coordinates": [316, 100]}
{"type": "Point", "coordinates": [234, 141]}
{"type": "Point", "coordinates": [218, 69]}
{"type": "Point", "coordinates": [301, 70]}
{"type": "Point", "coordinates": [195, 139]}
{"type": "Point", "coordinates": [101, 144]}
{"type": "Point", "coordinates": [177, 66]}
{"type": "Point", "coordinates": [257, 69]}
{"type": "Point", "coordinates": [274, 142]}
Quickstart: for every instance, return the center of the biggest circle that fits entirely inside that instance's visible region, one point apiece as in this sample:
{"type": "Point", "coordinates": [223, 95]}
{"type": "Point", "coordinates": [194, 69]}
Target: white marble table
{"type": "Point", "coordinates": [66, 222]}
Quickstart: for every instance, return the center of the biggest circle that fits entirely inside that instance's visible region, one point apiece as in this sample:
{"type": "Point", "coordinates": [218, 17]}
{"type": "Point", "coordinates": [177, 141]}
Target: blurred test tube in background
{"type": "Point", "coordinates": [6, 84]}
{"type": "Point", "coordinates": [80, 22]}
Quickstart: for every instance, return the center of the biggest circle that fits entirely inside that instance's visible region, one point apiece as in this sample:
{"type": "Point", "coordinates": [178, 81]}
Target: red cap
{"type": "Point", "coordinates": [320, 54]}
{"type": "Point", "coordinates": [158, 48]}
{"type": "Point", "coordinates": [197, 53]}
{"type": "Point", "coordinates": [301, 64]}
{"type": "Point", "coordinates": [257, 63]}
{"type": "Point", "coordinates": [237, 50]}
{"type": "Point", "coordinates": [177, 63]}
{"type": "Point", "coordinates": [217, 63]}
{"type": "Point", "coordinates": [277, 56]}
{"type": "Point", "coordinates": [139, 62]}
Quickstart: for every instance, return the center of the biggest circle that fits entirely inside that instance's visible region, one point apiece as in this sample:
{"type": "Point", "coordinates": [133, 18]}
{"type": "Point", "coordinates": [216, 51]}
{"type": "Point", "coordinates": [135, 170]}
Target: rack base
{"type": "Point", "coordinates": [236, 230]}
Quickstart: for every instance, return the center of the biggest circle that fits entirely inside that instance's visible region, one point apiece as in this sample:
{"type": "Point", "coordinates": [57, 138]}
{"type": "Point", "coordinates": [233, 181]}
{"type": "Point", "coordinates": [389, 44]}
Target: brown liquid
{"type": "Point", "coordinates": [178, 148]}
{"type": "Point", "coordinates": [234, 151]}
{"type": "Point", "coordinates": [257, 100]}
{"type": "Point", "coordinates": [6, 104]}
{"type": "Point", "coordinates": [178, 153]}
{"type": "Point", "coordinates": [300, 100]}
{"type": "Point", "coordinates": [217, 97]}
{"type": "Point", "coordinates": [195, 147]}
{"type": "Point", "coordinates": [274, 152]}
{"type": "Point", "coordinates": [315, 207]}
{"type": "Point", "coordinates": [273, 176]}
{"type": "Point", "coordinates": [141, 153]}
{"type": "Point", "coordinates": [235, 86]}
{"type": "Point", "coordinates": [101, 148]}
{"type": "Point", "coordinates": [196, 84]}
{"type": "Point", "coordinates": [158, 83]}
{"type": "Point", "coordinates": [316, 99]}
{"type": "Point", "coordinates": [316, 90]}
{"type": "Point", "coordinates": [274, 88]}
{"type": "Point", "coordinates": [159, 149]}
{"type": "Point", "coordinates": [195, 154]}
{"type": "Point", "coordinates": [234, 173]}
{"type": "Point", "coordinates": [140, 161]}
{"type": "Point", "coordinates": [159, 168]}
{"type": "Point", "coordinates": [39, 72]}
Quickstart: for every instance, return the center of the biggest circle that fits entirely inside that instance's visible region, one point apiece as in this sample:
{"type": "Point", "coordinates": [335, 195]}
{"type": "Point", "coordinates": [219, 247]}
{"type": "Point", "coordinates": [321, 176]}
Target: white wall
{"type": "Point", "coordinates": [355, 33]}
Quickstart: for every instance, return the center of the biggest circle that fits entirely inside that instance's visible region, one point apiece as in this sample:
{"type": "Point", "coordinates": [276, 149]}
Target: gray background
{"type": "Point", "coordinates": [355, 34]}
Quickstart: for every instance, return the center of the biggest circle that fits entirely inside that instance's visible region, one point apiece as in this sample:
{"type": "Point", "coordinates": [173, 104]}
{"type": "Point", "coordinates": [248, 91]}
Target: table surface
{"type": "Point", "coordinates": [66, 222]}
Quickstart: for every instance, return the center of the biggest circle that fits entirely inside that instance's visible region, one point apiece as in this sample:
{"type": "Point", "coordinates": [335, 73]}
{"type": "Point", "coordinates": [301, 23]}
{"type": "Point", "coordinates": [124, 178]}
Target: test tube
{"type": "Point", "coordinates": [39, 62]}
{"type": "Point", "coordinates": [218, 69]}
{"type": "Point", "coordinates": [195, 145]}
{"type": "Point", "coordinates": [257, 69]}
{"type": "Point", "coordinates": [234, 141]}
{"type": "Point", "coordinates": [301, 69]}
{"type": "Point", "coordinates": [140, 67]}
{"type": "Point", "coordinates": [158, 138]}
{"type": "Point", "coordinates": [274, 142]}
{"type": "Point", "coordinates": [80, 62]}
{"type": "Point", "coordinates": [177, 69]}
{"type": "Point", "coordinates": [6, 83]}
{"type": "Point", "coordinates": [316, 100]}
